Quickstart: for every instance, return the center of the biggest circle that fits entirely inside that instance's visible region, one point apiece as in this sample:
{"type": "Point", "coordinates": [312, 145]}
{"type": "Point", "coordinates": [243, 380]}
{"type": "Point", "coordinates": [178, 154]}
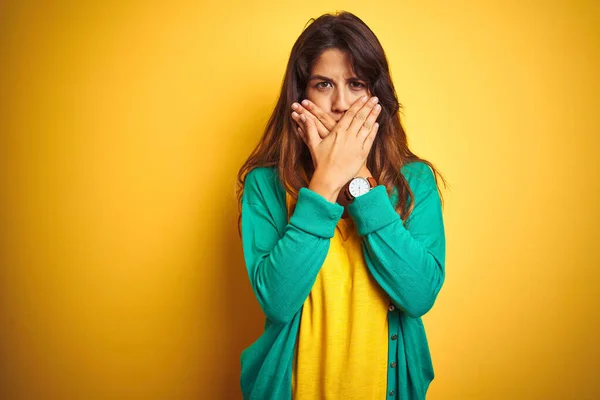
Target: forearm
{"type": "Point", "coordinates": [284, 278]}
{"type": "Point", "coordinates": [283, 269]}
{"type": "Point", "coordinates": [408, 265]}
{"type": "Point", "coordinates": [409, 273]}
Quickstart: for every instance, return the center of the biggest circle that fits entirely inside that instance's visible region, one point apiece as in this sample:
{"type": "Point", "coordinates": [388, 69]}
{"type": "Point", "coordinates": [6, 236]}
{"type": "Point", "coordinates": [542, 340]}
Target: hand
{"type": "Point", "coordinates": [323, 122]}
{"type": "Point", "coordinates": [341, 154]}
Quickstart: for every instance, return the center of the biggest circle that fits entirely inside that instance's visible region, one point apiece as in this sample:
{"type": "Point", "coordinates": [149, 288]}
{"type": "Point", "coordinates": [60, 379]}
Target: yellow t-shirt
{"type": "Point", "coordinates": [341, 350]}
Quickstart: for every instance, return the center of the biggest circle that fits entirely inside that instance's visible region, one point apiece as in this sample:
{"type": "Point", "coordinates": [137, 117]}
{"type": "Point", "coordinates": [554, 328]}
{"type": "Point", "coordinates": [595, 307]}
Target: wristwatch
{"type": "Point", "coordinates": [358, 186]}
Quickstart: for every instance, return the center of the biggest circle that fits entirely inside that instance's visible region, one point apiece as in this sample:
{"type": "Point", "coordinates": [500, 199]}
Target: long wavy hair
{"type": "Point", "coordinates": [280, 146]}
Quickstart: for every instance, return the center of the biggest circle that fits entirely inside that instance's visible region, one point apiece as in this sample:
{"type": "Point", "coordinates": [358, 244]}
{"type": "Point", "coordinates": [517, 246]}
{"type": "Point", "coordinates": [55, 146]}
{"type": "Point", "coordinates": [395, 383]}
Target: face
{"type": "Point", "coordinates": [333, 86]}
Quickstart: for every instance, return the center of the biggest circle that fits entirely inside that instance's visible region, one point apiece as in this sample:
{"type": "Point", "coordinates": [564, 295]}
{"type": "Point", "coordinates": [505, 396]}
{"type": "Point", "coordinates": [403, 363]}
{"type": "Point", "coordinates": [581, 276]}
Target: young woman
{"type": "Point", "coordinates": [342, 230]}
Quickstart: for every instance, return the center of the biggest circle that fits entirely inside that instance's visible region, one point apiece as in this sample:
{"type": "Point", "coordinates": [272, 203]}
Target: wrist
{"type": "Point", "coordinates": [323, 188]}
{"type": "Point", "coordinates": [364, 172]}
{"type": "Point", "coordinates": [358, 186]}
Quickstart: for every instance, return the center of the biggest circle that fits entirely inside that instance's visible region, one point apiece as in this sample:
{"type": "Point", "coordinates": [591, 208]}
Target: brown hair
{"type": "Point", "coordinates": [281, 147]}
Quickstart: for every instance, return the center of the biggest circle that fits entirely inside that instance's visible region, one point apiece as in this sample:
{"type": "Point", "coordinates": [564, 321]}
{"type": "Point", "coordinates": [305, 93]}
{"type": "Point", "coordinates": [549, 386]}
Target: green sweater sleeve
{"type": "Point", "coordinates": [408, 263]}
{"type": "Point", "coordinates": [283, 259]}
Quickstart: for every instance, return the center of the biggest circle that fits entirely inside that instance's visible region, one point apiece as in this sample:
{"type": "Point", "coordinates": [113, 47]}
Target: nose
{"type": "Point", "coordinates": [340, 102]}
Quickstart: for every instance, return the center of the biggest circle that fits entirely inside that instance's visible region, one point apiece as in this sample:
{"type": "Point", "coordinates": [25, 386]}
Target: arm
{"type": "Point", "coordinates": [409, 264]}
{"type": "Point", "coordinates": [283, 269]}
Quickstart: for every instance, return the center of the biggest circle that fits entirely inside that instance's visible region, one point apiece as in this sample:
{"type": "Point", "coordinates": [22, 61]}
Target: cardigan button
{"type": "Point", "coordinates": [393, 364]}
{"type": "Point", "coordinates": [392, 307]}
{"type": "Point", "coordinates": [394, 336]}
{"type": "Point", "coordinates": [392, 392]}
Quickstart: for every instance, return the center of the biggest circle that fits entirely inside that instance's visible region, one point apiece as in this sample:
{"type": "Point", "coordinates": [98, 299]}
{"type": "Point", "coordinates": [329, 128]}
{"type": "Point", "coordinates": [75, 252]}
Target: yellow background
{"type": "Point", "coordinates": [122, 128]}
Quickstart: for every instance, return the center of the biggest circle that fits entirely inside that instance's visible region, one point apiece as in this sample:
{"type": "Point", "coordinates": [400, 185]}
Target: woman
{"type": "Point", "coordinates": [342, 230]}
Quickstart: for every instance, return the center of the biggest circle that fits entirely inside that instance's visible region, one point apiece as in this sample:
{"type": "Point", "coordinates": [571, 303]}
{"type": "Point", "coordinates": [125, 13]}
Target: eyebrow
{"type": "Point", "coordinates": [322, 77]}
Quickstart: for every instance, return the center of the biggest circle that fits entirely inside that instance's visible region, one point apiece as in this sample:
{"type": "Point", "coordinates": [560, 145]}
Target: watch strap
{"type": "Point", "coordinates": [372, 182]}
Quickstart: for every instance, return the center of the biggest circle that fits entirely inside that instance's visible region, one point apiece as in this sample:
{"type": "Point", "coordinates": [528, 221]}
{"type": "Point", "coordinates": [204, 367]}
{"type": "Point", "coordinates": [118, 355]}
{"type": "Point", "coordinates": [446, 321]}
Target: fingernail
{"type": "Point", "coordinates": [364, 98]}
{"type": "Point", "coordinates": [304, 102]}
{"type": "Point", "coordinates": [295, 114]}
{"type": "Point", "coordinates": [295, 106]}
{"type": "Point", "coordinates": [374, 99]}
{"type": "Point", "coordinates": [378, 107]}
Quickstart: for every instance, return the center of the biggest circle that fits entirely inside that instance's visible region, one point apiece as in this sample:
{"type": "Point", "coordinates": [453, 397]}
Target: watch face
{"type": "Point", "coordinates": [359, 186]}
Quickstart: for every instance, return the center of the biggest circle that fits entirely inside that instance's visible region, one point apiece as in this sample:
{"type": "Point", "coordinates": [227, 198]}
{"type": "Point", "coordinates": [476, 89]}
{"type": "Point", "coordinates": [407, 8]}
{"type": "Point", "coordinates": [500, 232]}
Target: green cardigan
{"type": "Point", "coordinates": [283, 261]}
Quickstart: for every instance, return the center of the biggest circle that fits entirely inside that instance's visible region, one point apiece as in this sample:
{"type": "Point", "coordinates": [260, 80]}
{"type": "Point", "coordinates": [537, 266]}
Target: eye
{"type": "Point", "coordinates": [357, 85]}
{"type": "Point", "coordinates": [322, 85]}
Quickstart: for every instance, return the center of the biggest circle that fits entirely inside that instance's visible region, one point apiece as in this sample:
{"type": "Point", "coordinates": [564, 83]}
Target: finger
{"type": "Point", "coordinates": [303, 134]}
{"type": "Point", "coordinates": [312, 135]}
{"type": "Point", "coordinates": [323, 131]}
{"type": "Point", "coordinates": [300, 132]}
{"type": "Point", "coordinates": [361, 116]}
{"type": "Point", "coordinates": [321, 115]}
{"type": "Point", "coordinates": [368, 143]}
{"type": "Point", "coordinates": [344, 123]}
{"type": "Point", "coordinates": [298, 120]}
{"type": "Point", "coordinates": [365, 129]}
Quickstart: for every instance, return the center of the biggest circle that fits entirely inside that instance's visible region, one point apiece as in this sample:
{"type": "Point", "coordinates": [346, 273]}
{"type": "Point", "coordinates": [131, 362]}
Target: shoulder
{"type": "Point", "coordinates": [262, 186]}
{"type": "Point", "coordinates": [419, 176]}
{"type": "Point", "coordinates": [260, 175]}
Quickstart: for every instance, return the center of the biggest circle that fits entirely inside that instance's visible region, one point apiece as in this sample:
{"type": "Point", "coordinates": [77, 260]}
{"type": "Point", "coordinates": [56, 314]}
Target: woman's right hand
{"type": "Point", "coordinates": [342, 153]}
